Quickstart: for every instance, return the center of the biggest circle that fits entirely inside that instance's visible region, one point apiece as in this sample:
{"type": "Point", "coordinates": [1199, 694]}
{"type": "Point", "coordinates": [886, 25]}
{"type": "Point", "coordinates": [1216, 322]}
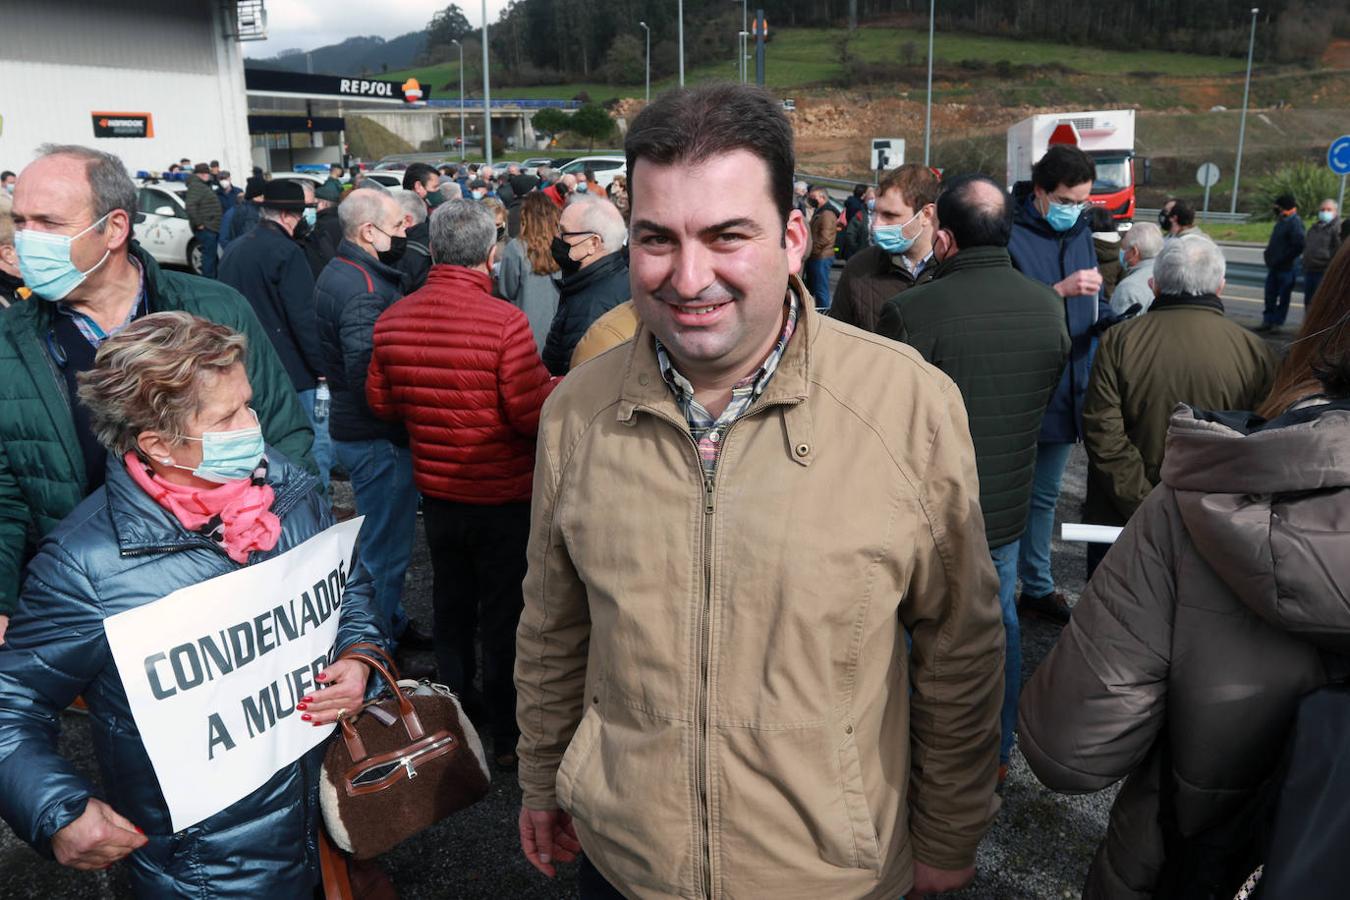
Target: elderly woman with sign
{"type": "Point", "coordinates": [192, 495]}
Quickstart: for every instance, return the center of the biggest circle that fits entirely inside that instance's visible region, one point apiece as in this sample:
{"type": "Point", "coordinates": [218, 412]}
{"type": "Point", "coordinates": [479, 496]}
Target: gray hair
{"type": "Point", "coordinates": [462, 233]}
{"type": "Point", "coordinates": [109, 183]}
{"type": "Point", "coordinates": [411, 204]}
{"type": "Point", "coordinates": [148, 376]}
{"type": "Point", "coordinates": [1189, 265]}
{"type": "Point", "coordinates": [361, 206]}
{"type": "Point", "coordinates": [603, 218]}
{"type": "Point", "coordinates": [1145, 237]}
{"type": "Point", "coordinates": [544, 172]}
{"type": "Point", "coordinates": [450, 190]}
{"type": "Point", "coordinates": [6, 220]}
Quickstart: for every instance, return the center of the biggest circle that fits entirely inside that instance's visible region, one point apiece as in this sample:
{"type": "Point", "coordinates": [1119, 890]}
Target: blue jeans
{"type": "Point", "coordinates": [209, 241]}
{"type": "Point", "coordinates": [1034, 560]}
{"type": "Point", "coordinates": [818, 281]}
{"type": "Point", "coordinates": [323, 444]}
{"type": "Point", "coordinates": [1005, 563]}
{"type": "Point", "coordinates": [382, 479]}
{"type": "Point", "coordinates": [1310, 282]}
{"type": "Point", "coordinates": [1279, 291]}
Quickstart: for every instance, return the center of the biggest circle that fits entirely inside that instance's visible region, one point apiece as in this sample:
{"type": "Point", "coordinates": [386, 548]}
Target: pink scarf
{"type": "Point", "coordinates": [238, 515]}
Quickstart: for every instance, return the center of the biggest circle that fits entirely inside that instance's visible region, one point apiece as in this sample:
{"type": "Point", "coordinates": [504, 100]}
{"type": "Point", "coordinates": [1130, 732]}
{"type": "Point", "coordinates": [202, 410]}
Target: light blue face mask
{"type": "Point", "coordinates": [891, 238]}
{"type": "Point", "coordinates": [1326, 216]}
{"type": "Point", "coordinates": [227, 455]}
{"type": "Point", "coordinates": [479, 195]}
{"type": "Point", "coordinates": [1123, 263]}
{"type": "Point", "coordinates": [1063, 216]}
{"type": "Point", "coordinates": [311, 215]}
{"type": "Point", "coordinates": [44, 262]}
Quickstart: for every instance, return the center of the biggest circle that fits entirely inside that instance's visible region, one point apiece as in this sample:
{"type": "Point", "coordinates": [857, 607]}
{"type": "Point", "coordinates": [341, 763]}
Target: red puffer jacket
{"type": "Point", "coordinates": [460, 368]}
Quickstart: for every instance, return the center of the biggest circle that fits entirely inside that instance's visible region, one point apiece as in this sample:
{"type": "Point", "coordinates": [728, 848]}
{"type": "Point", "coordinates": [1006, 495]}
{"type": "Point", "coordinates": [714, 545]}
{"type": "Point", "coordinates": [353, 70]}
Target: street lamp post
{"type": "Point", "coordinates": [649, 60]}
{"type": "Point", "coordinates": [740, 46]}
{"type": "Point", "coordinates": [462, 148]}
{"type": "Point", "coordinates": [679, 14]}
{"type": "Point", "coordinates": [1242, 127]}
{"type": "Point", "coordinates": [928, 105]}
{"type": "Point", "coordinates": [487, 94]}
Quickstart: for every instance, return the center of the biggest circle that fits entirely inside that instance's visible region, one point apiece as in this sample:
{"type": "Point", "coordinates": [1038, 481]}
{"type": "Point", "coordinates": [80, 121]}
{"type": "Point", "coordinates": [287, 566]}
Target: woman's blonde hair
{"type": "Point", "coordinates": [148, 376]}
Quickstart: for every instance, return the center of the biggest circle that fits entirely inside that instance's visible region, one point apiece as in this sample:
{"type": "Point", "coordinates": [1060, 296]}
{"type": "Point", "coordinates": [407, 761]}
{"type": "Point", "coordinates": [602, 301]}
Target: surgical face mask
{"type": "Point", "coordinates": [394, 252]}
{"type": "Point", "coordinates": [871, 205]}
{"type": "Point", "coordinates": [224, 184]}
{"type": "Point", "coordinates": [435, 199]}
{"type": "Point", "coordinates": [582, 187]}
{"type": "Point", "coordinates": [45, 264]}
{"type": "Point", "coordinates": [311, 215]}
{"type": "Point", "coordinates": [1063, 216]}
{"type": "Point", "coordinates": [479, 195]}
{"type": "Point", "coordinates": [227, 455]}
{"type": "Point", "coordinates": [891, 238]}
{"type": "Point", "coordinates": [10, 187]}
{"type": "Point", "coordinates": [1326, 215]}
{"type": "Point", "coordinates": [1123, 263]}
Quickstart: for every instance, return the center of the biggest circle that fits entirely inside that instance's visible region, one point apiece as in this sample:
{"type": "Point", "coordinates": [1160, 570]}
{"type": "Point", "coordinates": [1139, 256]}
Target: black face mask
{"type": "Point", "coordinates": [563, 189]}
{"type": "Point", "coordinates": [501, 232]}
{"type": "Point", "coordinates": [301, 230]}
{"type": "Point", "coordinates": [812, 202]}
{"type": "Point", "coordinates": [397, 244]}
{"type": "Point", "coordinates": [1162, 221]}
{"type": "Point", "coordinates": [562, 251]}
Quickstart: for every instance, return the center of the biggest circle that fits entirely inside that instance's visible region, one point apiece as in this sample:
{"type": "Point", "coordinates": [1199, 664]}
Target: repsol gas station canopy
{"type": "Point", "coordinates": [276, 83]}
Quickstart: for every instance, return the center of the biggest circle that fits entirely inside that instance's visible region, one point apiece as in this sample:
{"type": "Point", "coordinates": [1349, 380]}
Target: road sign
{"type": "Point", "coordinates": [1338, 155]}
{"type": "Point", "coordinates": [887, 153]}
{"type": "Point", "coordinates": [1207, 175]}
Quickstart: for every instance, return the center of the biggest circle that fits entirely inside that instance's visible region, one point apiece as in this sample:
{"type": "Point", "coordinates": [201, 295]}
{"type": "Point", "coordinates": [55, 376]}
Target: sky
{"type": "Point", "coordinates": [307, 24]}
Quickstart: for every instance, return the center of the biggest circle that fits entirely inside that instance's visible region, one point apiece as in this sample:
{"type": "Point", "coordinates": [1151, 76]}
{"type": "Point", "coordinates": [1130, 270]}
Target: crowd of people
{"type": "Point", "coordinates": [741, 561]}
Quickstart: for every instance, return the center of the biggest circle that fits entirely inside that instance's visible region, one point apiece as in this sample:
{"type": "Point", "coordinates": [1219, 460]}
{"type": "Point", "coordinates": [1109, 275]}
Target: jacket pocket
{"type": "Point", "coordinates": [574, 758]}
{"type": "Point", "coordinates": [866, 846]}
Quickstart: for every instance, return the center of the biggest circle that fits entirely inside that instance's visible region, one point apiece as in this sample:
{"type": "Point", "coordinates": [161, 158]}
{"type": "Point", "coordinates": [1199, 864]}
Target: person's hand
{"type": "Point", "coordinates": [97, 839]}
{"type": "Point", "coordinates": [342, 687]}
{"type": "Point", "coordinates": [931, 880]}
{"type": "Point", "coordinates": [1080, 283]}
{"type": "Point", "coordinates": [4, 626]}
{"type": "Point", "coordinates": [547, 835]}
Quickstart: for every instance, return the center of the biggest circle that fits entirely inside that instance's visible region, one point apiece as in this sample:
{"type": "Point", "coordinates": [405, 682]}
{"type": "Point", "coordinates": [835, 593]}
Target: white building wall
{"type": "Point", "coordinates": [62, 60]}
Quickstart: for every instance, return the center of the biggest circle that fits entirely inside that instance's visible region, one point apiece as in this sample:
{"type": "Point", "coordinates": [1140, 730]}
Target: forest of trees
{"type": "Point", "coordinates": [542, 41]}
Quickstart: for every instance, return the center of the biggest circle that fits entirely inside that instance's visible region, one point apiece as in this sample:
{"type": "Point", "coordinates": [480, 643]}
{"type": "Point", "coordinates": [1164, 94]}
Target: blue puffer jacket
{"type": "Point", "coordinates": [1049, 256]}
{"type": "Point", "coordinates": [119, 550]}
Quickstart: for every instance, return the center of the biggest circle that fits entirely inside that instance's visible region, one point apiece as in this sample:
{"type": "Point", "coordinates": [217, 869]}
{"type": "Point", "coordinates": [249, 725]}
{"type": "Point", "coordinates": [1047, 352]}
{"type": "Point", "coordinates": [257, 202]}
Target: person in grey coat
{"type": "Point", "coordinates": [1139, 248]}
{"type": "Point", "coordinates": [528, 277]}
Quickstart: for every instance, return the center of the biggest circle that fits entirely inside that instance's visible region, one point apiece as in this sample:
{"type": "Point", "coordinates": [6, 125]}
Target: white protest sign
{"type": "Point", "coordinates": [213, 671]}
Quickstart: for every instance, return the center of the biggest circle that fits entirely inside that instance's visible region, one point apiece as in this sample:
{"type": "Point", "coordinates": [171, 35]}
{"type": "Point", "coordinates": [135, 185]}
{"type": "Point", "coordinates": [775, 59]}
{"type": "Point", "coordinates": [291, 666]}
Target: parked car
{"type": "Point", "coordinates": [162, 225]}
{"type": "Point", "coordinates": [311, 177]}
{"type": "Point", "coordinates": [604, 167]}
{"type": "Point", "coordinates": [386, 178]}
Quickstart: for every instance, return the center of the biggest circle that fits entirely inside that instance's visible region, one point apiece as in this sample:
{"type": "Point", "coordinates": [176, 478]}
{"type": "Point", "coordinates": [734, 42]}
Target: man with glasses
{"type": "Point", "coordinates": [1052, 243]}
{"type": "Point", "coordinates": [589, 251]}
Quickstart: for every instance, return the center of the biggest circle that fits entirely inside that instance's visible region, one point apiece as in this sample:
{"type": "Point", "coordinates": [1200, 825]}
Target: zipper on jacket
{"type": "Point", "coordinates": [701, 701]}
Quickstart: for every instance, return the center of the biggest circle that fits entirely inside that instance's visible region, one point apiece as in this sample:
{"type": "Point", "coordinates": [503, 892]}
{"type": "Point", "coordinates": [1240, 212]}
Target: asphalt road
{"type": "Point", "coordinates": [1039, 847]}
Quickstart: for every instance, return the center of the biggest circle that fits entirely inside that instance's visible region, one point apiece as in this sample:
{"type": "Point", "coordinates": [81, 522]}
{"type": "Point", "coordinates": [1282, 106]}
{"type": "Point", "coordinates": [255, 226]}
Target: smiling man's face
{"type": "Point", "coordinates": [710, 267]}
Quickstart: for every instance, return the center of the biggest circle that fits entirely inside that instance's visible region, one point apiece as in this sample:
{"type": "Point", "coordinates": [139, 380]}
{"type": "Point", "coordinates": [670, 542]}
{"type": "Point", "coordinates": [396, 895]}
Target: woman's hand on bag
{"type": "Point", "coordinates": [97, 839]}
{"type": "Point", "coordinates": [547, 835]}
{"type": "Point", "coordinates": [342, 687]}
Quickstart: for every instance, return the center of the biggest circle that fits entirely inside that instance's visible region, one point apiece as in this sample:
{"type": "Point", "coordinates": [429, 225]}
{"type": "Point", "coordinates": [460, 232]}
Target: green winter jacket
{"type": "Point", "coordinates": [42, 470]}
{"type": "Point", "coordinates": [1002, 338]}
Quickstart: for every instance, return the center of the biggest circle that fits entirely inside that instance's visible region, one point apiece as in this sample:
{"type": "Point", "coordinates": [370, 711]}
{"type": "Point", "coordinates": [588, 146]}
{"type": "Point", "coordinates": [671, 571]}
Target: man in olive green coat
{"type": "Point", "coordinates": [1001, 337]}
{"type": "Point", "coordinates": [1183, 351]}
{"type": "Point", "coordinates": [73, 211]}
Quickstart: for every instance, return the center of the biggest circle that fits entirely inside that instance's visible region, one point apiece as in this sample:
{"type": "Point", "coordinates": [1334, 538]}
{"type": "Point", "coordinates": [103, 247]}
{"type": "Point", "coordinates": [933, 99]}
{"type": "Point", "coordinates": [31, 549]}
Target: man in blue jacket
{"type": "Point", "coordinates": [1052, 243]}
{"type": "Point", "coordinates": [1282, 253]}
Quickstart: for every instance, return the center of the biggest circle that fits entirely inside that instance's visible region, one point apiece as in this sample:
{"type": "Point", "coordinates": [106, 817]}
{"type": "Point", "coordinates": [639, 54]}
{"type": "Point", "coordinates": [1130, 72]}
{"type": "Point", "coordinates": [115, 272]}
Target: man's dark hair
{"type": "Point", "coordinates": [691, 125]}
{"type": "Point", "coordinates": [1064, 165]}
{"type": "Point", "coordinates": [1100, 219]}
{"type": "Point", "coordinates": [1286, 202]}
{"type": "Point", "coordinates": [7, 174]}
{"type": "Point", "coordinates": [418, 173]}
{"type": "Point", "coordinates": [1183, 212]}
{"type": "Point", "coordinates": [215, 164]}
{"type": "Point", "coordinates": [588, 173]}
{"type": "Point", "coordinates": [975, 218]}
{"type": "Point", "coordinates": [335, 167]}
{"type": "Point", "coordinates": [859, 190]}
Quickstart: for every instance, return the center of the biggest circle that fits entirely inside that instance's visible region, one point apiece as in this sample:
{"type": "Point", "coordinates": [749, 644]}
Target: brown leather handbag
{"type": "Point", "coordinates": [405, 761]}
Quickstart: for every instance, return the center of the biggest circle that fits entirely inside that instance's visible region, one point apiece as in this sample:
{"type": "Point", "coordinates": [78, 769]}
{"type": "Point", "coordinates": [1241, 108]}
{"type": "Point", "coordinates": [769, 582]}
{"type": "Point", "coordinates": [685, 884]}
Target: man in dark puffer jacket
{"type": "Point", "coordinates": [594, 264]}
{"type": "Point", "coordinates": [1001, 337]}
{"type": "Point", "coordinates": [459, 366]}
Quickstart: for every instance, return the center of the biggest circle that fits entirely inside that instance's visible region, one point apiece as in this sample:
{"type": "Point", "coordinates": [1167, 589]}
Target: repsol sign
{"type": "Point", "coordinates": [359, 87]}
{"type": "Point", "coordinates": [277, 81]}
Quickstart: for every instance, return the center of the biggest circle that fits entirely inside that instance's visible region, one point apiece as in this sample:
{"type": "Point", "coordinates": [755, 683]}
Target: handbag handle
{"type": "Point", "coordinates": [381, 662]}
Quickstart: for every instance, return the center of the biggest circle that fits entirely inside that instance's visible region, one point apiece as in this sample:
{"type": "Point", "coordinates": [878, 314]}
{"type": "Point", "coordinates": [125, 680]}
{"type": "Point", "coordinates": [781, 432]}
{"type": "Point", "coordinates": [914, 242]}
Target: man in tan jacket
{"type": "Point", "coordinates": [736, 519]}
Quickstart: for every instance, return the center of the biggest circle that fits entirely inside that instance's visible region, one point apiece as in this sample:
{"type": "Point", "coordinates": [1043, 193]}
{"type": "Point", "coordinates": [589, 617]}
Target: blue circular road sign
{"type": "Point", "coordinates": [1338, 157]}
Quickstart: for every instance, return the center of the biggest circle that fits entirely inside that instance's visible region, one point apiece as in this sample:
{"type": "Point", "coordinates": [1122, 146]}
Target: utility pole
{"type": "Point", "coordinates": [928, 110]}
{"type": "Point", "coordinates": [679, 14]}
{"type": "Point", "coordinates": [487, 94]}
{"type": "Point", "coordinates": [852, 15]}
{"type": "Point", "coordinates": [649, 60]}
{"type": "Point", "coordinates": [1242, 128]}
{"type": "Point", "coordinates": [462, 147]}
{"type": "Point", "coordinates": [761, 32]}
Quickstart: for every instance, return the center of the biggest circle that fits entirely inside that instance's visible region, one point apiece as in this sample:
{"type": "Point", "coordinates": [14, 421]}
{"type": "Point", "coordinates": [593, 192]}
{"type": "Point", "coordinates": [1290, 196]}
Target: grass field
{"type": "Point", "coordinates": [801, 57]}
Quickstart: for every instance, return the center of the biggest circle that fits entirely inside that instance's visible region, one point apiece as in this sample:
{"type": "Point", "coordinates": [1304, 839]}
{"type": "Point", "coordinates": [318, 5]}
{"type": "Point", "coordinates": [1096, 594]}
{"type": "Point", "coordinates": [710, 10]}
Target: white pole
{"type": "Point", "coordinates": [1242, 127]}
{"type": "Point", "coordinates": [649, 60]}
{"type": "Point", "coordinates": [745, 30]}
{"type": "Point", "coordinates": [679, 14]}
{"type": "Point", "coordinates": [928, 111]}
{"type": "Point", "coordinates": [487, 94]}
{"type": "Point", "coordinates": [462, 148]}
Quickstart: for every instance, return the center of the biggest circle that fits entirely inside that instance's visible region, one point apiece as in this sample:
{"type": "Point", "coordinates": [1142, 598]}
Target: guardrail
{"type": "Point", "coordinates": [1218, 218]}
{"type": "Point", "coordinates": [508, 103]}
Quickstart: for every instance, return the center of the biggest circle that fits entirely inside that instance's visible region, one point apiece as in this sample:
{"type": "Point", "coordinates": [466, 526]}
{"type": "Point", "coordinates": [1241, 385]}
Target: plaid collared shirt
{"type": "Point", "coordinates": [708, 431]}
{"type": "Point", "coordinates": [90, 329]}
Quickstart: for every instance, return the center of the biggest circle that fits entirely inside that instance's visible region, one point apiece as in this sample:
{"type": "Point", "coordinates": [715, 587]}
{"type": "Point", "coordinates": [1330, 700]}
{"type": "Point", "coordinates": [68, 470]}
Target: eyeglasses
{"type": "Point", "coordinates": [570, 234]}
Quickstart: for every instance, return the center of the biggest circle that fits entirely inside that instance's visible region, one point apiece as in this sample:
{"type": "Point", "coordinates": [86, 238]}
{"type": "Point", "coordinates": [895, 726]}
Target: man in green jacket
{"type": "Point", "coordinates": [1001, 337]}
{"type": "Point", "coordinates": [73, 211]}
{"type": "Point", "coordinates": [1183, 351]}
{"type": "Point", "coordinates": [204, 215]}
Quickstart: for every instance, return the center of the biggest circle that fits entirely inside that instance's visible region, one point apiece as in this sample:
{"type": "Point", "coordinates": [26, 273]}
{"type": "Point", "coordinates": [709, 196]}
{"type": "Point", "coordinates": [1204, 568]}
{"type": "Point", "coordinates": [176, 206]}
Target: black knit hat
{"type": "Point", "coordinates": [254, 187]}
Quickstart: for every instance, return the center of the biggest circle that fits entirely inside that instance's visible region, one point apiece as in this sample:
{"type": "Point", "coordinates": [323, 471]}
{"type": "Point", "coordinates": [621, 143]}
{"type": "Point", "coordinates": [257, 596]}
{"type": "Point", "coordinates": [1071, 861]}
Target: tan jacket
{"type": "Point", "coordinates": [713, 676]}
{"type": "Point", "coordinates": [610, 330]}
